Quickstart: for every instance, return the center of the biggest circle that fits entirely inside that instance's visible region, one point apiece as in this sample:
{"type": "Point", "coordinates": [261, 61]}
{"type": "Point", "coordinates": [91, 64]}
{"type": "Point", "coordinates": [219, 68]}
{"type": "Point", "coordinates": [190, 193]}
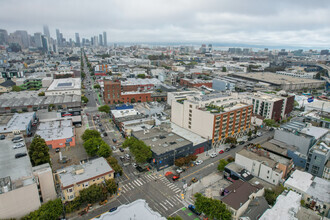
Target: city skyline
{"type": "Point", "coordinates": [254, 23]}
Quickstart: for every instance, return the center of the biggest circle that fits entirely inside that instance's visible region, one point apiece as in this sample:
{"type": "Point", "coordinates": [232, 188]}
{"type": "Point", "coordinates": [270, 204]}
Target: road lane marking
{"type": "Point", "coordinates": [131, 185]}
{"type": "Point", "coordinates": [169, 203]}
{"type": "Point", "coordinates": [163, 206]}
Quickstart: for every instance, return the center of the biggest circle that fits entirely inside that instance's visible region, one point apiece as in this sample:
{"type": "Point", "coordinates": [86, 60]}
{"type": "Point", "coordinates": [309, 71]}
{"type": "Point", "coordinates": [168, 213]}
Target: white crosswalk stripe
{"type": "Point", "coordinates": [177, 199]}
{"type": "Point", "coordinates": [136, 182]}
{"type": "Point", "coordinates": [143, 181]}
{"type": "Point", "coordinates": [139, 181]}
{"type": "Point", "coordinates": [169, 203]}
{"type": "Point", "coordinates": [163, 206]}
{"type": "Point", "coordinates": [148, 177]}
{"type": "Point", "coordinates": [131, 185]}
{"type": "Point", "coordinates": [177, 190]}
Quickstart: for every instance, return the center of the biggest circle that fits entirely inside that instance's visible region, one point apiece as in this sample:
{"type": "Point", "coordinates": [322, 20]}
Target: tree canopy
{"type": "Point", "coordinates": [51, 210]}
{"type": "Point", "coordinates": [38, 151]}
{"type": "Point", "coordinates": [111, 186]}
{"type": "Point", "coordinates": [141, 76]}
{"type": "Point", "coordinates": [41, 94]}
{"type": "Point", "coordinates": [16, 88]}
{"type": "Point", "coordinates": [96, 146]}
{"type": "Point", "coordinates": [104, 108]}
{"type": "Point", "coordinates": [139, 149]}
{"type": "Point", "coordinates": [222, 164]}
{"type": "Point", "coordinates": [97, 86]}
{"type": "Point", "coordinates": [114, 164]}
{"type": "Point", "coordinates": [88, 134]}
{"type": "Point", "coordinates": [212, 208]}
{"type": "Point", "coordinates": [84, 99]}
{"type": "Point", "coordinates": [92, 194]}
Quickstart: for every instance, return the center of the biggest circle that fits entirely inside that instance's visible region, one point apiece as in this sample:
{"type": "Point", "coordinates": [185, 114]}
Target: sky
{"type": "Point", "coordinates": [304, 23]}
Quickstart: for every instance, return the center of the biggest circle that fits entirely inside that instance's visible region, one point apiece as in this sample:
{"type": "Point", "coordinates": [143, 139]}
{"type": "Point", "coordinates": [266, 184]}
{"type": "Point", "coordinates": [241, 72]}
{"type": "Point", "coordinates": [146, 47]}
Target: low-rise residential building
{"type": "Point", "coordinates": [286, 207]}
{"type": "Point", "coordinates": [222, 85]}
{"type": "Point", "coordinates": [326, 171]}
{"type": "Point", "coordinates": [57, 133]}
{"type": "Point", "coordinates": [215, 116]}
{"type": "Point", "coordinates": [314, 190]}
{"type": "Point", "coordinates": [74, 178]}
{"type": "Point", "coordinates": [68, 86]}
{"type": "Point", "coordinates": [239, 195]}
{"type": "Point", "coordinates": [264, 164]}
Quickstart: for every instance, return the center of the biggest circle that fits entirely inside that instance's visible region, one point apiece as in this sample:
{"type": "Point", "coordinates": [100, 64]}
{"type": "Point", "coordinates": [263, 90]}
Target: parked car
{"type": "Point", "coordinates": [57, 150]}
{"type": "Point", "coordinates": [259, 134]}
{"type": "Point", "coordinates": [213, 155]}
{"type": "Point", "coordinates": [198, 162]}
{"type": "Point", "coordinates": [114, 140]}
{"type": "Point", "coordinates": [105, 134]}
{"type": "Point", "coordinates": [122, 158]}
{"type": "Point", "coordinates": [19, 138]}
{"type": "Point", "coordinates": [19, 155]}
{"type": "Point", "coordinates": [227, 149]}
{"type": "Point", "coordinates": [127, 157]}
{"type": "Point", "coordinates": [121, 149]}
{"type": "Point", "coordinates": [113, 148]}
{"type": "Point", "coordinates": [221, 152]}
{"type": "Point", "coordinates": [113, 209]}
{"type": "Point", "coordinates": [194, 180]}
{"type": "Point", "coordinates": [242, 142]}
{"type": "Point", "coordinates": [250, 139]}
{"type": "Point", "coordinates": [2, 137]}
{"type": "Point", "coordinates": [271, 129]}
{"type": "Point", "coordinates": [134, 165]}
{"type": "Point", "coordinates": [180, 170]}
{"type": "Point", "coordinates": [19, 145]}
{"type": "Point", "coordinates": [175, 177]}
{"type": "Point", "coordinates": [233, 146]}
{"type": "Point", "coordinates": [193, 209]}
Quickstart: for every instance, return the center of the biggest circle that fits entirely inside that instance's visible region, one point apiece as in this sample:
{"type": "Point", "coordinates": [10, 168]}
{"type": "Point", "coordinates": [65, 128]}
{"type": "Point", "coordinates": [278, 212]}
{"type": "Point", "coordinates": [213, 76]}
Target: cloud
{"type": "Point", "coordinates": [261, 22]}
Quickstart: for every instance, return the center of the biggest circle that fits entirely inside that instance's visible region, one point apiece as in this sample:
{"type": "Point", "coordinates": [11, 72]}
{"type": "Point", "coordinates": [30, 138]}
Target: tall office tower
{"type": "Point", "coordinates": [77, 40]}
{"type": "Point", "coordinates": [100, 40]}
{"type": "Point", "coordinates": [23, 38]}
{"type": "Point", "coordinates": [92, 41]}
{"type": "Point", "coordinates": [105, 42]}
{"type": "Point", "coordinates": [37, 39]}
{"type": "Point", "coordinates": [3, 36]}
{"type": "Point", "coordinates": [58, 38]}
{"type": "Point", "coordinates": [45, 44]}
{"type": "Point", "coordinates": [83, 41]}
{"type": "Point", "coordinates": [46, 31]}
{"type": "Point", "coordinates": [96, 43]}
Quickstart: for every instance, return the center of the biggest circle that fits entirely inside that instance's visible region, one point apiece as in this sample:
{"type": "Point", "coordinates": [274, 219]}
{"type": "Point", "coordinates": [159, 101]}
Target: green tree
{"type": "Point", "coordinates": [141, 76]}
{"type": "Point", "coordinates": [38, 151]}
{"type": "Point", "coordinates": [104, 150]}
{"type": "Point", "coordinates": [179, 162]}
{"type": "Point", "coordinates": [250, 133]}
{"type": "Point", "coordinates": [41, 94]}
{"type": "Point", "coordinates": [51, 107]}
{"type": "Point", "coordinates": [224, 69]}
{"type": "Point", "coordinates": [97, 86]}
{"type": "Point", "coordinates": [84, 99]}
{"type": "Point", "coordinates": [231, 140]}
{"type": "Point", "coordinates": [111, 186]}
{"type": "Point", "coordinates": [88, 134]}
{"type": "Point", "coordinates": [51, 210]}
{"type": "Point", "coordinates": [16, 88]}
{"type": "Point", "coordinates": [222, 164]}
{"type": "Point", "coordinates": [270, 122]}
{"type": "Point", "coordinates": [295, 104]}
{"type": "Point", "coordinates": [92, 194]}
{"type": "Point", "coordinates": [104, 108]}
{"type": "Point", "coordinates": [114, 164]}
{"type": "Point", "coordinates": [272, 194]}
{"type": "Point", "coordinates": [83, 75]}
{"type": "Point", "coordinates": [139, 149]}
{"type": "Point", "coordinates": [92, 146]}
{"type": "Point", "coordinates": [212, 208]}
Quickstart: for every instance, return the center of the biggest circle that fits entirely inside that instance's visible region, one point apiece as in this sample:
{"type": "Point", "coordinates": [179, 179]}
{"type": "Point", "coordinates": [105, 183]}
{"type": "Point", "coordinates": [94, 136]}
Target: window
{"type": "Point", "coordinates": [268, 171]}
{"type": "Point", "coordinates": [189, 127]}
{"type": "Point", "coordinates": [190, 106]}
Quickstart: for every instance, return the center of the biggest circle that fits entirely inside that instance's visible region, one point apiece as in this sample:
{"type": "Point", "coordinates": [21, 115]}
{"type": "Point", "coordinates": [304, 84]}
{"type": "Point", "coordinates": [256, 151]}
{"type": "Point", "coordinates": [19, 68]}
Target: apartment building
{"type": "Point", "coordinates": [317, 159]}
{"type": "Point", "coordinates": [75, 178]}
{"type": "Point", "coordinates": [215, 116]}
{"type": "Point", "coordinates": [271, 106]}
{"type": "Point", "coordinates": [190, 83]}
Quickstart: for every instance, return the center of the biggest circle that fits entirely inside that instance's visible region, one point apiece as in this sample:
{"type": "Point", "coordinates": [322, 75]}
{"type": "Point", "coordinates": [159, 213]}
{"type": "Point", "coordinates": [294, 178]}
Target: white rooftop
{"type": "Point", "coordinates": [195, 138]}
{"type": "Point", "coordinates": [299, 180]}
{"type": "Point", "coordinates": [91, 168]}
{"type": "Point", "coordinates": [54, 130]}
{"type": "Point", "coordinates": [18, 122]}
{"type": "Point", "coordinates": [286, 207]}
{"type": "Point", "coordinates": [124, 113]}
{"type": "Point", "coordinates": [65, 84]}
{"type": "Point", "coordinates": [137, 210]}
{"type": "Point", "coordinates": [320, 190]}
{"type": "Point", "coordinates": [133, 81]}
{"type": "Point", "coordinates": [316, 132]}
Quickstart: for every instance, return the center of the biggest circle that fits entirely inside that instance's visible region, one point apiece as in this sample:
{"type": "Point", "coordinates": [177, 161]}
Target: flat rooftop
{"type": "Point", "coordinates": [10, 166]}
{"type": "Point", "coordinates": [17, 122]}
{"type": "Point", "coordinates": [65, 84]}
{"type": "Point", "coordinates": [276, 79]}
{"type": "Point", "coordinates": [320, 189]}
{"type": "Point", "coordinates": [124, 113]}
{"type": "Point", "coordinates": [91, 168]}
{"type": "Point", "coordinates": [316, 132]}
{"type": "Point", "coordinates": [189, 135]}
{"type": "Point", "coordinates": [139, 209]}
{"type": "Point", "coordinates": [254, 156]}
{"type": "Point", "coordinates": [134, 81]}
{"type": "Point", "coordinates": [54, 130]}
{"type": "Point", "coordinates": [300, 180]}
{"type": "Point", "coordinates": [161, 141]}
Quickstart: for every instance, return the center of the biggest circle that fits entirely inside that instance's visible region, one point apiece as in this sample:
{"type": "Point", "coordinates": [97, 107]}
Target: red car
{"type": "Point", "coordinates": [176, 177]}
{"type": "Point", "coordinates": [221, 152]}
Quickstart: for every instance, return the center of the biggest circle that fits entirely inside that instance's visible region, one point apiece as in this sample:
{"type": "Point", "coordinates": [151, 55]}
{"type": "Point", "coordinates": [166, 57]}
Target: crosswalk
{"type": "Point", "coordinates": [168, 203]}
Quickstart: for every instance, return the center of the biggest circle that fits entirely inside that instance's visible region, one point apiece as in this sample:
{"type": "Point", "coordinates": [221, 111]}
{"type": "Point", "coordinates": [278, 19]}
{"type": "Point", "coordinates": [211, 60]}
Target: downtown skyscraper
{"type": "Point", "coordinates": [105, 42]}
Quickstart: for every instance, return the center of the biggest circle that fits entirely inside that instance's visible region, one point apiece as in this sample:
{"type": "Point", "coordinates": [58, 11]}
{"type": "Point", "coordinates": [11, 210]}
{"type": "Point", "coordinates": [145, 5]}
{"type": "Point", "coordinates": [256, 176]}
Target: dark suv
{"type": "Point", "coordinates": [19, 155]}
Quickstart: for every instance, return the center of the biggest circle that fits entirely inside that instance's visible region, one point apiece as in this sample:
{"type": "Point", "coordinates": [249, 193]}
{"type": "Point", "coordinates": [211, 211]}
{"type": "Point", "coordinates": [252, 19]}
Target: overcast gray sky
{"type": "Point", "coordinates": [259, 22]}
